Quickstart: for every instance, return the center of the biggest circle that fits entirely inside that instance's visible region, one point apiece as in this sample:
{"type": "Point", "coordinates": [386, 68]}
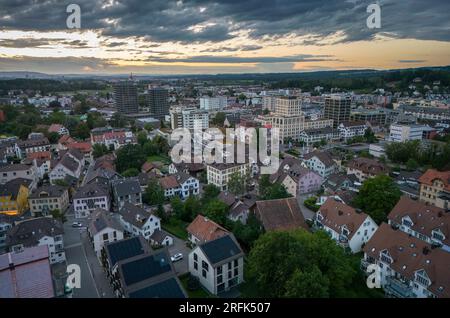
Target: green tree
{"type": "Point", "coordinates": [210, 191]}
{"type": "Point", "coordinates": [219, 119]}
{"type": "Point", "coordinates": [130, 156]}
{"type": "Point", "coordinates": [142, 138]}
{"type": "Point", "coordinates": [264, 185]}
{"type": "Point", "coordinates": [192, 207]}
{"type": "Point", "coordinates": [217, 211]}
{"type": "Point", "coordinates": [177, 207]}
{"type": "Point", "coordinates": [247, 233]}
{"type": "Point", "coordinates": [82, 131]}
{"type": "Point", "coordinates": [301, 264]}
{"type": "Point", "coordinates": [56, 214]}
{"type": "Point", "coordinates": [236, 183]}
{"type": "Point", "coordinates": [53, 137]}
{"type": "Point", "coordinates": [132, 172]}
{"type": "Point", "coordinates": [99, 150]}
{"type": "Point", "coordinates": [276, 191]}
{"type": "Point", "coordinates": [118, 121]}
{"type": "Point", "coordinates": [412, 164]}
{"type": "Point", "coordinates": [154, 194]}
{"type": "Point", "coordinates": [161, 213]}
{"type": "Point", "coordinates": [377, 197]}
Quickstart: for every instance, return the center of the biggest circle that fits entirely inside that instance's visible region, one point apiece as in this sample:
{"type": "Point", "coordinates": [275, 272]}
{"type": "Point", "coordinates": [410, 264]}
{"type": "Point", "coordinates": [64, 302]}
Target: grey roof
{"type": "Point", "coordinates": [145, 266]}
{"type": "Point", "coordinates": [102, 173]}
{"type": "Point", "coordinates": [69, 163]}
{"type": "Point", "coordinates": [169, 288]}
{"type": "Point", "coordinates": [12, 187]}
{"type": "Point", "coordinates": [29, 232]}
{"type": "Point", "coordinates": [126, 186]}
{"type": "Point", "coordinates": [159, 235]}
{"type": "Point", "coordinates": [90, 190]}
{"type": "Point", "coordinates": [76, 153]}
{"type": "Point", "coordinates": [135, 215]}
{"type": "Point", "coordinates": [323, 156]}
{"type": "Point", "coordinates": [101, 220]}
{"type": "Point", "coordinates": [128, 248]}
{"type": "Point", "coordinates": [221, 250]}
{"type": "Point", "coordinates": [50, 191]}
{"type": "Point", "coordinates": [16, 167]}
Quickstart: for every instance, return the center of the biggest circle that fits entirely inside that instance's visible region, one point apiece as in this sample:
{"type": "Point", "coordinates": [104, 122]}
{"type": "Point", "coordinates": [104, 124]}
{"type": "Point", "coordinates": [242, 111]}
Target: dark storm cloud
{"type": "Point", "coordinates": [35, 43]}
{"type": "Point", "coordinates": [162, 20]}
{"type": "Point", "coordinates": [237, 59]}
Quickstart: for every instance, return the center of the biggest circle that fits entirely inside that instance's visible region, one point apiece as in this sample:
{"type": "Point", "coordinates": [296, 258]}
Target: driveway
{"type": "Point", "coordinates": [179, 246]}
{"type": "Point", "coordinates": [307, 213]}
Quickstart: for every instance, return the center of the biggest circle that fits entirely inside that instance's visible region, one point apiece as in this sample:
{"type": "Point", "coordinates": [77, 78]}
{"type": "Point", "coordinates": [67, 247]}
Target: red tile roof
{"type": "Point", "coordinates": [205, 230]}
{"type": "Point", "coordinates": [430, 175]}
{"type": "Point", "coordinates": [169, 182]}
{"type": "Point", "coordinates": [410, 255]}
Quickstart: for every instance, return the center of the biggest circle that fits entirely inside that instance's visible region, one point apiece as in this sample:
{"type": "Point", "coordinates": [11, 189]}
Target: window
{"type": "Point", "coordinates": [236, 263]}
{"type": "Point", "coordinates": [105, 236]}
{"type": "Point", "coordinates": [195, 265]}
{"type": "Point", "coordinates": [195, 257]}
{"type": "Point", "coordinates": [205, 265]}
{"type": "Point", "coordinates": [236, 272]}
{"type": "Point", "coordinates": [204, 273]}
{"type": "Point", "coordinates": [219, 270]}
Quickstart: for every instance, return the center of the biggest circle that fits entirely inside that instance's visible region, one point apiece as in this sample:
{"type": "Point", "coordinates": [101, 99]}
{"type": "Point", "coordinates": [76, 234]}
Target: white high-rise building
{"type": "Point", "coordinates": [405, 132]}
{"type": "Point", "coordinates": [190, 118]}
{"type": "Point", "coordinates": [213, 103]}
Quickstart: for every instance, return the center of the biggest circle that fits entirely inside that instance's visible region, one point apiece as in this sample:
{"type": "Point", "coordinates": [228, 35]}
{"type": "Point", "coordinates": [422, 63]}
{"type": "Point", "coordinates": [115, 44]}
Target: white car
{"type": "Point", "coordinates": [77, 224]}
{"type": "Point", "coordinates": [177, 257]}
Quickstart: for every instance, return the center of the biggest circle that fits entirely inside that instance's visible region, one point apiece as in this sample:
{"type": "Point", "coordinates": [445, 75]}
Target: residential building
{"type": "Point", "coordinates": [341, 182]}
{"type": "Point", "coordinates": [90, 197]}
{"type": "Point", "coordinates": [126, 190]}
{"type": "Point", "coordinates": [238, 210]}
{"type": "Point", "coordinates": [149, 275]}
{"type": "Point", "coordinates": [202, 230]}
{"type": "Point", "coordinates": [14, 171]}
{"type": "Point", "coordinates": [48, 198]}
{"type": "Point", "coordinates": [337, 108]}
{"type": "Point", "coordinates": [289, 106]}
{"type": "Point", "coordinates": [269, 103]}
{"type": "Point", "coordinates": [33, 145]}
{"type": "Point", "coordinates": [189, 117]}
{"type": "Point", "coordinates": [312, 136]}
{"type": "Point", "coordinates": [213, 103]}
{"type": "Point", "coordinates": [219, 174]}
{"type": "Point", "coordinates": [138, 222]}
{"type": "Point", "coordinates": [26, 274]}
{"type": "Point", "coordinates": [348, 227]}
{"type": "Point", "coordinates": [218, 264]}
{"type": "Point", "coordinates": [158, 101]}
{"type": "Point", "coordinates": [126, 97]}
{"type": "Point", "coordinates": [114, 252]}
{"type": "Point", "coordinates": [428, 223]}
{"type": "Point", "coordinates": [365, 168]}
{"type": "Point", "coordinates": [435, 188]}
{"type": "Point", "coordinates": [36, 232]}
{"type": "Point", "coordinates": [59, 129]}
{"type": "Point", "coordinates": [349, 129]}
{"type": "Point", "coordinates": [280, 215]}
{"type": "Point", "coordinates": [401, 132]}
{"type": "Point", "coordinates": [70, 165]}
{"type": "Point", "coordinates": [296, 179]}
{"type": "Point", "coordinates": [112, 137]}
{"type": "Point", "coordinates": [376, 117]}
{"type": "Point", "coordinates": [14, 196]}
{"type": "Point", "coordinates": [103, 228]}
{"type": "Point", "coordinates": [320, 162]}
{"type": "Point", "coordinates": [408, 267]}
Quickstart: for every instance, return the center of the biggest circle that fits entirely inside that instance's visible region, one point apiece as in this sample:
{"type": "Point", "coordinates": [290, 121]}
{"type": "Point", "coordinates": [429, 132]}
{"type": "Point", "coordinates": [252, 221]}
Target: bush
{"type": "Point", "coordinates": [193, 283]}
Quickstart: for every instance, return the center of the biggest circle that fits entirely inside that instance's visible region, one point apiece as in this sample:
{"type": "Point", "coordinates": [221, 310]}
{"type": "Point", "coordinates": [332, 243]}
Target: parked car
{"type": "Point", "coordinates": [177, 257]}
{"type": "Point", "coordinates": [77, 224]}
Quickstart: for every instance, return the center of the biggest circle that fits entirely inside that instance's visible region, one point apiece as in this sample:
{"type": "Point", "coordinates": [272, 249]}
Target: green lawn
{"type": "Point", "coordinates": [159, 158]}
{"type": "Point", "coordinates": [199, 293]}
{"type": "Point", "coordinates": [177, 228]}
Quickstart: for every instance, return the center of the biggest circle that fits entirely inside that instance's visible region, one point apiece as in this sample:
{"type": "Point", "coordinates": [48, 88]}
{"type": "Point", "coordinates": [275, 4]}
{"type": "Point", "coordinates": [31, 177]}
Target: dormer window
{"type": "Point", "coordinates": [407, 222]}
{"type": "Point", "coordinates": [437, 235]}
{"type": "Point", "coordinates": [421, 278]}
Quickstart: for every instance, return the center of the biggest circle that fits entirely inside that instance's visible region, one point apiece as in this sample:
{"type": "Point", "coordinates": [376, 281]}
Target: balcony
{"type": "Point", "coordinates": [398, 289]}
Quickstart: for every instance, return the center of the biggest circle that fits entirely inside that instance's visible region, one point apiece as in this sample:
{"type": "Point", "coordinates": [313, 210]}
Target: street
{"type": "Point", "coordinates": [179, 246]}
{"type": "Point", "coordinates": [307, 213]}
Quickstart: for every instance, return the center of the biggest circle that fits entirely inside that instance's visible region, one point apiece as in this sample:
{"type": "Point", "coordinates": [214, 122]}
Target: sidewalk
{"type": "Point", "coordinates": [101, 282]}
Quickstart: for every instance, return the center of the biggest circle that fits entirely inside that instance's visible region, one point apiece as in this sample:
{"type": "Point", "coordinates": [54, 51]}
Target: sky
{"type": "Point", "coordinates": [221, 36]}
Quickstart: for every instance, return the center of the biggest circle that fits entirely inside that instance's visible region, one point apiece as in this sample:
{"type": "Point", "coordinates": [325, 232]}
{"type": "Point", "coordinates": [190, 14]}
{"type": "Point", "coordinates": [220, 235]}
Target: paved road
{"type": "Point", "coordinates": [179, 246]}
{"type": "Point", "coordinates": [307, 213]}
{"type": "Point", "coordinates": [79, 251]}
